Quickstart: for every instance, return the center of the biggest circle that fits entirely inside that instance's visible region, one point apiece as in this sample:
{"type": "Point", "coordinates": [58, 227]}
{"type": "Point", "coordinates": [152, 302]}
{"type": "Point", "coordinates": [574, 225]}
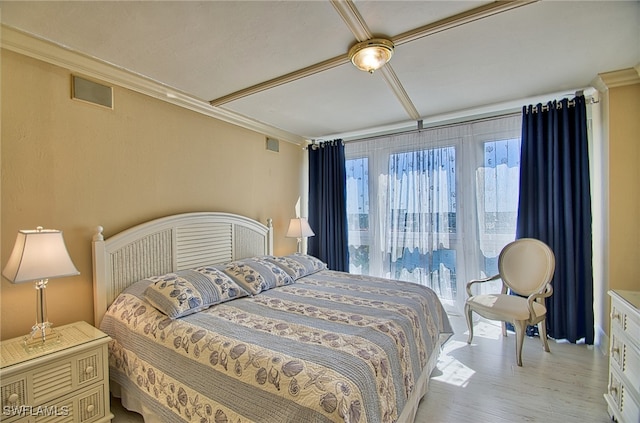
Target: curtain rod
{"type": "Point", "coordinates": [589, 100]}
{"type": "Point", "coordinates": [421, 128]}
{"type": "Point", "coordinates": [590, 94]}
{"type": "Point", "coordinates": [570, 103]}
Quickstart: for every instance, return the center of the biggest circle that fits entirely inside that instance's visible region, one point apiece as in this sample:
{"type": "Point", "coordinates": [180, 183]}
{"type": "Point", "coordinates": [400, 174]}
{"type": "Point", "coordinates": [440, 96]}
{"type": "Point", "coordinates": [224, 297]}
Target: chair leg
{"type": "Point", "coordinates": [542, 330]}
{"type": "Point", "coordinates": [521, 327]}
{"type": "Point", "coordinates": [503, 325]}
{"type": "Point", "coordinates": [467, 312]}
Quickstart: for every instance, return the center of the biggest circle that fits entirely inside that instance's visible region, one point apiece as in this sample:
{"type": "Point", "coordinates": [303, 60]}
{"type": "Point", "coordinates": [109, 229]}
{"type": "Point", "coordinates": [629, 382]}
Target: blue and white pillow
{"type": "Point", "coordinates": [185, 292]}
{"type": "Point", "coordinates": [257, 274]}
{"type": "Point", "coordinates": [298, 265]}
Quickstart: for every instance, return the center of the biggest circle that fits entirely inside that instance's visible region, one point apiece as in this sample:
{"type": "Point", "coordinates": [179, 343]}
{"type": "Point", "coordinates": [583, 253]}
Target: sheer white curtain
{"type": "Point", "coordinates": [434, 207]}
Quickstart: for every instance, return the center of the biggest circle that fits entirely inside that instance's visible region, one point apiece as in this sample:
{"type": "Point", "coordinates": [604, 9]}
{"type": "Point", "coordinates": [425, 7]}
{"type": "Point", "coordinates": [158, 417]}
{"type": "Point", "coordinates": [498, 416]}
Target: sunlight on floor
{"type": "Point", "coordinates": [486, 329]}
{"type": "Point", "coordinates": [453, 371]}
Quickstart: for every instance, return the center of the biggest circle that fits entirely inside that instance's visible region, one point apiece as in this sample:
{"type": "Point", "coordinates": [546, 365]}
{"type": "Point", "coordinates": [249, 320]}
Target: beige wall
{"type": "Point", "coordinates": [620, 266]}
{"type": "Point", "coordinates": [624, 187]}
{"type": "Point", "coordinates": [72, 166]}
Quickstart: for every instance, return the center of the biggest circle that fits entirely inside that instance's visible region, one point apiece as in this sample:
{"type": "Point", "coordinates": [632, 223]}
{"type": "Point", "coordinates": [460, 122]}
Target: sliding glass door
{"type": "Point", "coordinates": [434, 207]}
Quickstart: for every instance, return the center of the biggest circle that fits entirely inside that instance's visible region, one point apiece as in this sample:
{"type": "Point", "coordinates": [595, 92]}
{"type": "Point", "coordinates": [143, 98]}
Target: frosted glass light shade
{"type": "Point", "coordinates": [371, 54]}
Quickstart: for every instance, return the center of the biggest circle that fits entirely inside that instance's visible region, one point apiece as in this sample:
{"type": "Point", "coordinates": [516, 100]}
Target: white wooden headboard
{"type": "Point", "coordinates": [169, 244]}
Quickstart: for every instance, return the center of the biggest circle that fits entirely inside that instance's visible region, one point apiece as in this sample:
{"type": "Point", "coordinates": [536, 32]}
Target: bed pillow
{"type": "Point", "coordinates": [299, 265]}
{"type": "Point", "coordinates": [189, 291]}
{"type": "Point", "coordinates": [256, 274]}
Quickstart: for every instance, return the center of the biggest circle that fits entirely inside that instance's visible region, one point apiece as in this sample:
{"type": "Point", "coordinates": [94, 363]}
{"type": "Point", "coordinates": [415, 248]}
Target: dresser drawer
{"type": "Point", "coordinates": [626, 321]}
{"type": "Point", "coordinates": [625, 357]}
{"type": "Point", "coordinates": [32, 388]}
{"type": "Point", "coordinates": [629, 408]}
{"type": "Point", "coordinates": [621, 400]}
{"type": "Point", "coordinates": [623, 393]}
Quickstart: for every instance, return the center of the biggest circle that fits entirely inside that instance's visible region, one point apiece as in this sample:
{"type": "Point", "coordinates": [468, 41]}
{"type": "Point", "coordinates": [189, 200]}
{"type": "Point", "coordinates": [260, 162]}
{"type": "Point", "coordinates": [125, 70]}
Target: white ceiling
{"type": "Point", "coordinates": [212, 49]}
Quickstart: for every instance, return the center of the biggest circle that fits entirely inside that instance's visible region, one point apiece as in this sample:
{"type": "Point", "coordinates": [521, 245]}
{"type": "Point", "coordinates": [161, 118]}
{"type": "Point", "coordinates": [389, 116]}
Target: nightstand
{"type": "Point", "coordinates": [66, 382]}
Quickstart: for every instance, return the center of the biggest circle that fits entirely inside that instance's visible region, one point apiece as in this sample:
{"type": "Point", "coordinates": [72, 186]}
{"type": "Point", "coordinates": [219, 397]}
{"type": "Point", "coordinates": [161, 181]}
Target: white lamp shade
{"type": "Point", "coordinates": [39, 254]}
{"type": "Point", "coordinates": [299, 228]}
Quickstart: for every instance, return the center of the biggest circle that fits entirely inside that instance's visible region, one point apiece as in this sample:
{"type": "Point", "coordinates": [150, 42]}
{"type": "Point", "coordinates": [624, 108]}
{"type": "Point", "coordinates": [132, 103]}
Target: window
{"type": "Point", "coordinates": [434, 207]}
{"type": "Point", "coordinates": [358, 214]}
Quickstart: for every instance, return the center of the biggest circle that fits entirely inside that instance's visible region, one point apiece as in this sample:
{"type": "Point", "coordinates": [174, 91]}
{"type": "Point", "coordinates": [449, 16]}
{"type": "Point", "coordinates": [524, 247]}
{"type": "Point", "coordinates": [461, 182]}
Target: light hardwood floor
{"type": "Point", "coordinates": [481, 383]}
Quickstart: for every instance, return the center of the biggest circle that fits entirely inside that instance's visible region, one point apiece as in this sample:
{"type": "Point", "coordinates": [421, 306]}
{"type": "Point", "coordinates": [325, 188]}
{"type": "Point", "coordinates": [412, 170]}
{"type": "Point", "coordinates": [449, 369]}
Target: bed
{"type": "Point", "coordinates": [208, 325]}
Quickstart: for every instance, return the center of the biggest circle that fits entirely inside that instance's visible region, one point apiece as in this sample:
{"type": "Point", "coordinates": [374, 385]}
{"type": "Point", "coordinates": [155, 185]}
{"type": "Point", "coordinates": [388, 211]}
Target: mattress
{"type": "Point", "coordinates": [328, 347]}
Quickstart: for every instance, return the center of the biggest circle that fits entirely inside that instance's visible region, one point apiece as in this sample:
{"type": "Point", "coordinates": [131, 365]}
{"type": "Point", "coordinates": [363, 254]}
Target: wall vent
{"type": "Point", "coordinates": [273, 144]}
{"type": "Point", "coordinates": [91, 92]}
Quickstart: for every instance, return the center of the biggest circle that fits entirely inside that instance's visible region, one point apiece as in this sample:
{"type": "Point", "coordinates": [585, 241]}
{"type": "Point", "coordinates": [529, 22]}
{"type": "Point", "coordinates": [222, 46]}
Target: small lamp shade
{"type": "Point", "coordinates": [39, 254]}
{"type": "Point", "coordinates": [299, 228]}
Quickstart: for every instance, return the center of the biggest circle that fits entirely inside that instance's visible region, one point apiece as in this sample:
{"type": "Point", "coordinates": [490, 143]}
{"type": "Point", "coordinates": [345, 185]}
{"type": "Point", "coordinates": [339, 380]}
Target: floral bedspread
{"type": "Point", "coordinates": [330, 347]}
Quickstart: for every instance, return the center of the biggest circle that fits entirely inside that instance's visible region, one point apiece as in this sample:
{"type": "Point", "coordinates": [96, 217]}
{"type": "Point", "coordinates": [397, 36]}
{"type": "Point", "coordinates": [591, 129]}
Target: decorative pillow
{"type": "Point", "coordinates": [299, 265]}
{"type": "Point", "coordinates": [257, 274]}
{"type": "Point", "coordinates": [189, 291]}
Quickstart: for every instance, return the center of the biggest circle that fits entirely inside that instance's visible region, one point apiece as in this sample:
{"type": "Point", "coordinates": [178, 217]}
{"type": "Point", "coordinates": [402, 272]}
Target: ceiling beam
{"type": "Point", "coordinates": [462, 18]}
{"type": "Point", "coordinates": [390, 77]}
{"type": "Point", "coordinates": [355, 22]}
{"type": "Point", "coordinates": [290, 77]}
{"type": "Point", "coordinates": [352, 17]}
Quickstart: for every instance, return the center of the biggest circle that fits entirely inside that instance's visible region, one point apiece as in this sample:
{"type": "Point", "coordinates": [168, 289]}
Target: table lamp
{"type": "Point", "coordinates": [299, 228]}
{"type": "Point", "coordinates": [38, 256]}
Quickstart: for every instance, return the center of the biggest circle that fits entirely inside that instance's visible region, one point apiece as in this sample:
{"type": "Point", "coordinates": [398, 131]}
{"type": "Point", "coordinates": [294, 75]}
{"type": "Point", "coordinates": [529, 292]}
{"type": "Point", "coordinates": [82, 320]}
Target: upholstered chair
{"type": "Point", "coordinates": [526, 268]}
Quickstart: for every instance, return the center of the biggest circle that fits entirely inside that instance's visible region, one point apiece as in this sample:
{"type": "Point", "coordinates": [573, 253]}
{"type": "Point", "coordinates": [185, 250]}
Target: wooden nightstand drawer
{"type": "Point", "coordinates": [13, 392]}
{"type": "Point", "coordinates": [90, 406]}
{"type": "Point", "coordinates": [53, 380]}
{"type": "Point", "coordinates": [66, 382]}
{"type": "Point", "coordinates": [67, 375]}
{"type": "Point", "coordinates": [86, 407]}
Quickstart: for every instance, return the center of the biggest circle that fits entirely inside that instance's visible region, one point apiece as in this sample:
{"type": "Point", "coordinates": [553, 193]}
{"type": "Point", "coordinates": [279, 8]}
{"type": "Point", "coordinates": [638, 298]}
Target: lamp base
{"type": "Point", "coordinates": [42, 336]}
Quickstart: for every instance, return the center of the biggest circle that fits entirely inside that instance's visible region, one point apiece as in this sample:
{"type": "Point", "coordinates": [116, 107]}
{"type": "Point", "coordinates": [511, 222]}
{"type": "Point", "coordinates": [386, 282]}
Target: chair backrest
{"type": "Point", "coordinates": [526, 265]}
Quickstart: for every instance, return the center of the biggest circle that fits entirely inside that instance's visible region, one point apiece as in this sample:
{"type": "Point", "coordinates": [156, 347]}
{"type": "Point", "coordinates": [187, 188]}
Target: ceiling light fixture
{"type": "Point", "coordinates": [371, 54]}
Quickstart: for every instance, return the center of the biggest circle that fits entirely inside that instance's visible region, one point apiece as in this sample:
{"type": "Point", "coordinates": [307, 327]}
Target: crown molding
{"type": "Point", "coordinates": [619, 78]}
{"type": "Point", "coordinates": [62, 56]}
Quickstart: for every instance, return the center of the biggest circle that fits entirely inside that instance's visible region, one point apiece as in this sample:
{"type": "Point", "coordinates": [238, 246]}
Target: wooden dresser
{"type": "Point", "coordinates": [67, 381]}
{"type": "Point", "coordinates": [623, 393]}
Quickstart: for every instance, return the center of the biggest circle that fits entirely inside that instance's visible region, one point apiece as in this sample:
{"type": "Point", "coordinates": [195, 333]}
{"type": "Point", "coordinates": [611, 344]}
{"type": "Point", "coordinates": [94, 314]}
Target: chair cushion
{"type": "Point", "coordinates": [506, 307]}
